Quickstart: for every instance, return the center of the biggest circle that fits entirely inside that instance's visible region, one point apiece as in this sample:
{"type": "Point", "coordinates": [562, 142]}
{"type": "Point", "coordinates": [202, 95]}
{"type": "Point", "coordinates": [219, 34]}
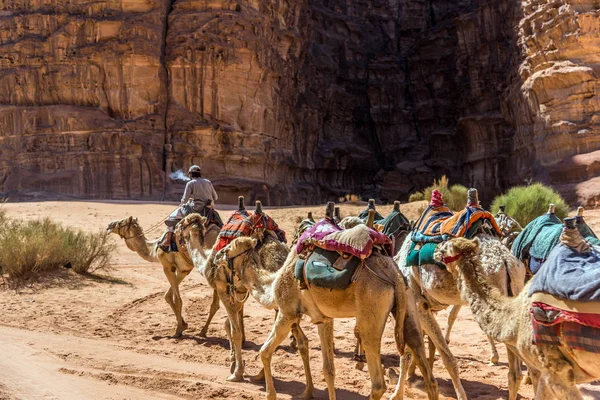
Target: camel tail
{"type": "Point", "coordinates": [399, 312]}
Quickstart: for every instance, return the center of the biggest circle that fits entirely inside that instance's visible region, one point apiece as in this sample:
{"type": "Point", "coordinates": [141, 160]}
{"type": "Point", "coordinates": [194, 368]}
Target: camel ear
{"type": "Point", "coordinates": [133, 219]}
{"type": "Point", "coordinates": [476, 244]}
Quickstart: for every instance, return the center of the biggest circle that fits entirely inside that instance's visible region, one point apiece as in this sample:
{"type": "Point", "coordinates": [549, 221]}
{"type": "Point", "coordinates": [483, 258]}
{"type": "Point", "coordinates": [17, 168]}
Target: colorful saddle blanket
{"type": "Point", "coordinates": [461, 223]}
{"type": "Point", "coordinates": [428, 226]}
{"type": "Point", "coordinates": [357, 241]}
{"type": "Point", "coordinates": [327, 269]}
{"type": "Point", "coordinates": [554, 326]}
{"type": "Point", "coordinates": [244, 223]}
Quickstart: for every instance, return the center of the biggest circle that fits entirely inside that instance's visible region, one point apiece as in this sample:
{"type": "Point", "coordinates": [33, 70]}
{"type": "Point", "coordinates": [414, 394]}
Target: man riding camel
{"type": "Point", "coordinates": [199, 197]}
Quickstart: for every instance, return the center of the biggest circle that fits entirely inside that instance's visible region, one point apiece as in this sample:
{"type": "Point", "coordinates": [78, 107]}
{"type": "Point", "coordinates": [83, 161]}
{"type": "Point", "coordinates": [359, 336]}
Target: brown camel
{"type": "Point", "coordinates": [234, 286]}
{"type": "Point", "coordinates": [197, 239]}
{"type": "Point", "coordinates": [379, 275]}
{"type": "Point", "coordinates": [554, 370]}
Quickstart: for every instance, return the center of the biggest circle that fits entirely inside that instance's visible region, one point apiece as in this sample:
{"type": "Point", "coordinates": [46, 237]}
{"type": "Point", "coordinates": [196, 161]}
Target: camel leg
{"type": "Point", "coordinates": [433, 330]}
{"type": "Point", "coordinates": [241, 316]}
{"type": "Point", "coordinates": [173, 297]}
{"type": "Point", "coordinates": [214, 307]}
{"type": "Point", "coordinates": [514, 374]}
{"type": "Point", "coordinates": [431, 349]}
{"type": "Point", "coordinates": [405, 362]}
{"type": "Point", "coordinates": [279, 332]}
{"type": "Point", "coordinates": [414, 341]}
{"type": "Point", "coordinates": [495, 357]}
{"type": "Point", "coordinates": [359, 352]}
{"type": "Point", "coordinates": [451, 320]}
{"type": "Point", "coordinates": [370, 328]}
{"type": "Point", "coordinates": [326, 336]}
{"type": "Point", "coordinates": [233, 312]}
{"type": "Point", "coordinates": [303, 349]}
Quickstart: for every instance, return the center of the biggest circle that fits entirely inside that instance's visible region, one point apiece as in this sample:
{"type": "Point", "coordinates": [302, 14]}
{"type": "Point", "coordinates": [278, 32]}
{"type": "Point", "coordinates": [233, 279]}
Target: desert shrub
{"type": "Point", "coordinates": [525, 203]}
{"type": "Point", "coordinates": [416, 196]}
{"type": "Point", "coordinates": [455, 196]}
{"type": "Point", "coordinates": [36, 247]}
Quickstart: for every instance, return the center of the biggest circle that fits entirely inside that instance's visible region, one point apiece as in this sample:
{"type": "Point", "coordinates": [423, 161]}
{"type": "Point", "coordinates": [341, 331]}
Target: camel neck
{"type": "Point", "coordinates": [260, 283]}
{"type": "Point", "coordinates": [145, 249]}
{"type": "Point", "coordinates": [493, 311]}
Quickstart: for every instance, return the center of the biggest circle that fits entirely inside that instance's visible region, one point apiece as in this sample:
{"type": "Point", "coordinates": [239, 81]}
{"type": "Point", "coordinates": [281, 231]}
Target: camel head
{"type": "Point", "coordinates": [451, 252]}
{"type": "Point", "coordinates": [125, 228]}
{"type": "Point", "coordinates": [237, 247]}
{"type": "Point", "coordinates": [192, 229]}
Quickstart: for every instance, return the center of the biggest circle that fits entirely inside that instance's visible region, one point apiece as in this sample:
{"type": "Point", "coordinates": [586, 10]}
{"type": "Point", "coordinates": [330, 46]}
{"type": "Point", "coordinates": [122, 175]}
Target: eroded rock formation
{"type": "Point", "coordinates": [296, 101]}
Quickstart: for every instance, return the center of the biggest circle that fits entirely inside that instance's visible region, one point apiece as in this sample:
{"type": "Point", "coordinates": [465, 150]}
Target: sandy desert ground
{"type": "Point", "coordinates": [109, 337]}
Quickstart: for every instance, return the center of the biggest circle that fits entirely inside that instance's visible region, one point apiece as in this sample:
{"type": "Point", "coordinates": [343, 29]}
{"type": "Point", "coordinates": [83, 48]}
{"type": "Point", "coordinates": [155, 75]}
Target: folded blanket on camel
{"type": "Point", "coordinates": [541, 235]}
{"type": "Point", "coordinates": [554, 326]}
{"type": "Point", "coordinates": [570, 275]}
{"type": "Point", "coordinates": [393, 222]}
{"type": "Point", "coordinates": [327, 269]}
{"type": "Point", "coordinates": [357, 241]}
{"type": "Point", "coordinates": [244, 223]}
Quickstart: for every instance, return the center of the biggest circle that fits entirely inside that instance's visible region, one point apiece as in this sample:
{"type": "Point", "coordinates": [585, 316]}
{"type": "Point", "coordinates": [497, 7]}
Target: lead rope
{"type": "Point", "coordinates": [151, 228]}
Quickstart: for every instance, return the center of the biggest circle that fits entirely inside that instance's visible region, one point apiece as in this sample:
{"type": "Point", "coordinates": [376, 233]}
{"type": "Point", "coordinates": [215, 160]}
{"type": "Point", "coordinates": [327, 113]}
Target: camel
{"type": "Point", "coordinates": [435, 289]}
{"type": "Point", "coordinates": [380, 276]}
{"type": "Point", "coordinates": [176, 265]}
{"type": "Point", "coordinates": [233, 286]}
{"type": "Point", "coordinates": [555, 370]}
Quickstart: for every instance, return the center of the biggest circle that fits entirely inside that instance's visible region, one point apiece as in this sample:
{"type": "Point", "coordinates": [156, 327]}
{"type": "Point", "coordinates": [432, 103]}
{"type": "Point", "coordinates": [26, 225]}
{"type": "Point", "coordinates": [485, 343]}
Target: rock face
{"type": "Point", "coordinates": [297, 101]}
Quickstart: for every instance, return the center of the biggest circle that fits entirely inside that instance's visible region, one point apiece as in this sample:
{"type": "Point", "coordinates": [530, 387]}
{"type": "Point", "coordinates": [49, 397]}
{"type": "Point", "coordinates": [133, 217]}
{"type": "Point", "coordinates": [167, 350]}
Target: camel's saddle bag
{"type": "Point", "coordinates": [327, 269]}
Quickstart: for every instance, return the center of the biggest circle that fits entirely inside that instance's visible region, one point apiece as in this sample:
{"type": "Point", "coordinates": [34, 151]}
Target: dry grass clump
{"type": "Point", "coordinates": [455, 196]}
{"type": "Point", "coordinates": [35, 248]}
{"type": "Point", "coordinates": [525, 203]}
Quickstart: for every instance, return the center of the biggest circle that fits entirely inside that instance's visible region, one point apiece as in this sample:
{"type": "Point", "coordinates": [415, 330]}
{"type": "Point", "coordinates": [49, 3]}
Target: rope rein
{"type": "Point", "coordinates": [149, 229]}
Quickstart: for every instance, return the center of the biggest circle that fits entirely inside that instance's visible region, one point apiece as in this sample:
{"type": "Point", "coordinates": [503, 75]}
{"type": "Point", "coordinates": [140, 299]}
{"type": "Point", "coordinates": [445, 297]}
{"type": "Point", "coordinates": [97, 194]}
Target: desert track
{"type": "Point", "coordinates": [109, 337]}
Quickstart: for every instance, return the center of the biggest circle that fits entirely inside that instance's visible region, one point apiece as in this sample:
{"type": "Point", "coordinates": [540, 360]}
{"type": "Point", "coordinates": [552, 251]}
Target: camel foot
{"type": "Point", "coordinates": [232, 367]}
{"type": "Point", "coordinates": [235, 378]}
{"type": "Point", "coordinates": [393, 375]}
{"type": "Point", "coordinates": [203, 333]}
{"type": "Point", "coordinates": [360, 366]}
{"type": "Point", "coordinates": [260, 377]}
{"type": "Point", "coordinates": [271, 396]}
{"type": "Point", "coordinates": [177, 335]}
{"type": "Point", "coordinates": [184, 326]}
{"type": "Point", "coordinates": [493, 361]}
{"type": "Point", "coordinates": [307, 394]}
{"type": "Point", "coordinates": [293, 343]}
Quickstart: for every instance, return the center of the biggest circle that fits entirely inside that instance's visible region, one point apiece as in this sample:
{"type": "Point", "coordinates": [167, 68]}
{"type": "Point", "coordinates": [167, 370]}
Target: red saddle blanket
{"type": "Point", "coordinates": [244, 223]}
{"type": "Point", "coordinates": [553, 326]}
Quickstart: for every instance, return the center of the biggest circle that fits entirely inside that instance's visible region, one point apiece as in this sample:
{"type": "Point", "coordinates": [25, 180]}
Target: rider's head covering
{"type": "Point", "coordinates": [194, 168]}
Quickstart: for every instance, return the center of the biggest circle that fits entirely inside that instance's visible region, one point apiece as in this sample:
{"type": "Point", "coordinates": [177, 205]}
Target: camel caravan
{"type": "Point", "coordinates": [535, 289]}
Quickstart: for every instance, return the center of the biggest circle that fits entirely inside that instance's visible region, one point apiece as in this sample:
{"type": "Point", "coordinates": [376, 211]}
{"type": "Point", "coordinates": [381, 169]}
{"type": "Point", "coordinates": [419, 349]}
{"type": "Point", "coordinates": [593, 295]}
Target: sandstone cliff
{"type": "Point", "coordinates": [297, 101]}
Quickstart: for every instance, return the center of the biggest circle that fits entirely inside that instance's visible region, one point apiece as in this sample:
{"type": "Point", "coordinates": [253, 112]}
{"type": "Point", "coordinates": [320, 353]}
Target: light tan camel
{"type": "Point", "coordinates": [176, 265]}
{"type": "Point", "coordinates": [555, 371]}
{"type": "Point", "coordinates": [435, 289]}
{"type": "Point", "coordinates": [379, 275]}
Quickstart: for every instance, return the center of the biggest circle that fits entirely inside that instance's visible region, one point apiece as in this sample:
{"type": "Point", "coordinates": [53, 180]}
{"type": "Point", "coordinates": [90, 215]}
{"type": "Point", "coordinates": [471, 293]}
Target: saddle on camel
{"type": "Point", "coordinates": [565, 293]}
{"type": "Point", "coordinates": [535, 243]}
{"type": "Point", "coordinates": [249, 224]}
{"type": "Point", "coordinates": [332, 257]}
{"type": "Point", "coordinates": [439, 223]}
{"type": "Point", "coordinates": [395, 225]}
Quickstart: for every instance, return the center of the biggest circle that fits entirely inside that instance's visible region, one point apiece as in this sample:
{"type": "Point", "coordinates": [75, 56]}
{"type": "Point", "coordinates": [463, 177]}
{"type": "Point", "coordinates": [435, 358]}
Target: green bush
{"type": "Point", "coordinates": [525, 203]}
{"type": "Point", "coordinates": [416, 196]}
{"type": "Point", "coordinates": [36, 247]}
{"type": "Point", "coordinates": [455, 196]}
